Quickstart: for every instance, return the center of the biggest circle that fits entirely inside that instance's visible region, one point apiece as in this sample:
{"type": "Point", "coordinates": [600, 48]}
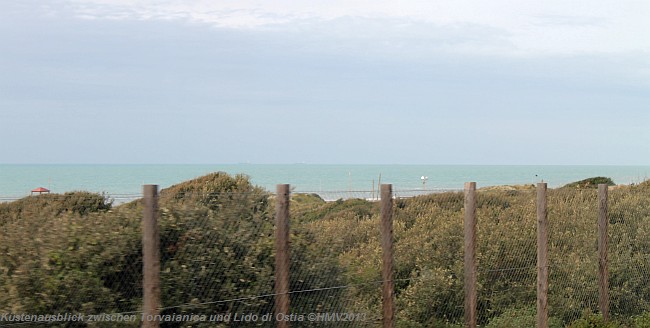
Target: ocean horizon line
{"type": "Point", "coordinates": [308, 164]}
{"type": "Point", "coordinates": [17, 180]}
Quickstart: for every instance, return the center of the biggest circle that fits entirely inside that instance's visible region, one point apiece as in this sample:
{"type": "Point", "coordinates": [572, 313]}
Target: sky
{"type": "Point", "coordinates": [499, 82]}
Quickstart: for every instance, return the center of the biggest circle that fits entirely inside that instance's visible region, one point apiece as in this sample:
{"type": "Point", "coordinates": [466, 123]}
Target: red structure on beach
{"type": "Point", "coordinates": [40, 190]}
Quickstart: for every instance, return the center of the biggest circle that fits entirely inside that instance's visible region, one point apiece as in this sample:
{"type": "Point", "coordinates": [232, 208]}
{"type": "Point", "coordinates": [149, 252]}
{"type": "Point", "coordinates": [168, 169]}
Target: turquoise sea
{"type": "Point", "coordinates": [334, 180]}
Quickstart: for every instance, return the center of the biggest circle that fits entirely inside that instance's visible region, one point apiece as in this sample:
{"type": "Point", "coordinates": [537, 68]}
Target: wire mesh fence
{"type": "Point", "coordinates": [507, 252]}
{"type": "Point", "coordinates": [63, 257]}
{"type": "Point", "coordinates": [321, 284]}
{"type": "Point", "coordinates": [371, 195]}
{"type": "Point", "coordinates": [72, 254]}
{"type": "Point", "coordinates": [216, 256]}
{"type": "Point", "coordinates": [629, 252]}
{"type": "Point", "coordinates": [573, 253]}
{"type": "Point", "coordinates": [429, 260]}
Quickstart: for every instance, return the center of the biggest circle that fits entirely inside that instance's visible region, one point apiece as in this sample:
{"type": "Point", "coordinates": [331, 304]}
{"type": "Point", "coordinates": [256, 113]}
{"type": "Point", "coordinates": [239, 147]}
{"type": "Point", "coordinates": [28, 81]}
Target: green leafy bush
{"type": "Point", "coordinates": [591, 183]}
{"type": "Point", "coordinates": [50, 205]}
{"type": "Point", "coordinates": [591, 320]}
{"type": "Point", "coordinates": [60, 261]}
{"type": "Point", "coordinates": [521, 318]}
{"type": "Point", "coordinates": [641, 321]}
{"type": "Point", "coordinates": [76, 252]}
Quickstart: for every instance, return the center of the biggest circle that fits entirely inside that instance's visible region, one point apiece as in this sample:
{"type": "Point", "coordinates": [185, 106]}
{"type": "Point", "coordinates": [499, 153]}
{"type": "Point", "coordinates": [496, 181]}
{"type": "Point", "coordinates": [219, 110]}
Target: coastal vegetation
{"type": "Point", "coordinates": [591, 183]}
{"type": "Point", "coordinates": [79, 253]}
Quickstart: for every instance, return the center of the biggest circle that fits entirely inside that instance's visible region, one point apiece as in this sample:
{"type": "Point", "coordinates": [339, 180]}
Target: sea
{"type": "Point", "coordinates": [124, 182]}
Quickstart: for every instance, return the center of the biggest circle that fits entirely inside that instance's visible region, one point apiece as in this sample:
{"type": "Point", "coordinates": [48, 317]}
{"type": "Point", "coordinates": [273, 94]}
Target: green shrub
{"type": "Point", "coordinates": [591, 320]}
{"type": "Point", "coordinates": [591, 183]}
{"type": "Point", "coordinates": [75, 252]}
{"type": "Point", "coordinates": [69, 262]}
{"type": "Point", "coordinates": [641, 321]}
{"type": "Point", "coordinates": [521, 318]}
{"type": "Point", "coordinates": [51, 205]}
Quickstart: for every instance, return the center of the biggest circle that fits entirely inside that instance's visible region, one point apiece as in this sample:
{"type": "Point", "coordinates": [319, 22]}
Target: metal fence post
{"type": "Point", "coordinates": [388, 286]}
{"type": "Point", "coordinates": [150, 258]}
{"type": "Point", "coordinates": [282, 253]}
{"type": "Point", "coordinates": [469, 233]}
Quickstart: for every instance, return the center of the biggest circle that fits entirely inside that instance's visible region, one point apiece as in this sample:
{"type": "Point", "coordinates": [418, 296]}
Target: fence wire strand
{"type": "Point", "coordinates": [75, 254]}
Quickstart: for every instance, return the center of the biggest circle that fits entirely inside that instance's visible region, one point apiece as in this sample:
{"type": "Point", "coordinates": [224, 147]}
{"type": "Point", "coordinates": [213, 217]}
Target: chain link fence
{"type": "Point", "coordinates": [76, 254]}
{"type": "Point", "coordinates": [64, 257]}
{"type": "Point", "coordinates": [629, 252]}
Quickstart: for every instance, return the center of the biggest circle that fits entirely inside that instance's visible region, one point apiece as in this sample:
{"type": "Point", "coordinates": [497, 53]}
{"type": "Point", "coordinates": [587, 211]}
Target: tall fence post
{"type": "Point", "coordinates": [469, 230]}
{"type": "Point", "coordinates": [282, 253]}
{"type": "Point", "coordinates": [542, 256]}
{"type": "Point", "coordinates": [150, 258]}
{"type": "Point", "coordinates": [603, 284]}
{"type": "Point", "coordinates": [386, 225]}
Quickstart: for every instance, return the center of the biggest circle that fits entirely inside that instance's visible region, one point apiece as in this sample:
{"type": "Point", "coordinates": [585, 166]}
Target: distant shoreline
{"type": "Point", "coordinates": [126, 180]}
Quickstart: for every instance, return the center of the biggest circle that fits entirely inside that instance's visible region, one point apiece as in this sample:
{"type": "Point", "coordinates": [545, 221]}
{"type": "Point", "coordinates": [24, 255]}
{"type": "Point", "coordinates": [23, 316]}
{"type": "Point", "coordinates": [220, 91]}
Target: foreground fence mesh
{"type": "Point", "coordinates": [507, 253]}
{"type": "Point", "coordinates": [629, 252]}
{"type": "Point", "coordinates": [326, 244]}
{"type": "Point", "coordinates": [217, 258]}
{"type": "Point", "coordinates": [428, 259]}
{"type": "Point", "coordinates": [76, 254]}
{"type": "Point", "coordinates": [66, 257]}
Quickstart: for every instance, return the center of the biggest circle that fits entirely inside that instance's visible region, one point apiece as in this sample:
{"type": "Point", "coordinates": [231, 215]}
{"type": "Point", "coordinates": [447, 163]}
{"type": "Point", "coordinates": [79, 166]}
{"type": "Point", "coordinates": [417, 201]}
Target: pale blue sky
{"type": "Point", "coordinates": [351, 82]}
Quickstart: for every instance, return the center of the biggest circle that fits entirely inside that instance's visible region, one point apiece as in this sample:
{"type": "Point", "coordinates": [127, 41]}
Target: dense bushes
{"type": "Point", "coordinates": [69, 253]}
{"type": "Point", "coordinates": [58, 255]}
{"type": "Point", "coordinates": [428, 254]}
{"type": "Point", "coordinates": [77, 253]}
{"type": "Point", "coordinates": [521, 318]}
{"type": "Point", "coordinates": [49, 205]}
{"type": "Point", "coordinates": [591, 183]}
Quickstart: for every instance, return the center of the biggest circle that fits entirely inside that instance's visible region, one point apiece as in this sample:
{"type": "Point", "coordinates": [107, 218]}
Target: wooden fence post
{"type": "Point", "coordinates": [282, 253]}
{"type": "Point", "coordinates": [469, 231]}
{"type": "Point", "coordinates": [542, 257]}
{"type": "Point", "coordinates": [150, 258]}
{"type": "Point", "coordinates": [603, 284]}
{"type": "Point", "coordinates": [386, 227]}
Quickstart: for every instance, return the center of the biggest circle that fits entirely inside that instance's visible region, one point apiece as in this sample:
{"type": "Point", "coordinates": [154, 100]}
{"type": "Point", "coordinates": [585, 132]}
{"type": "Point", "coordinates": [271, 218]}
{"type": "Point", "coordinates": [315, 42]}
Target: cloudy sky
{"type": "Point", "coordinates": [350, 82]}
